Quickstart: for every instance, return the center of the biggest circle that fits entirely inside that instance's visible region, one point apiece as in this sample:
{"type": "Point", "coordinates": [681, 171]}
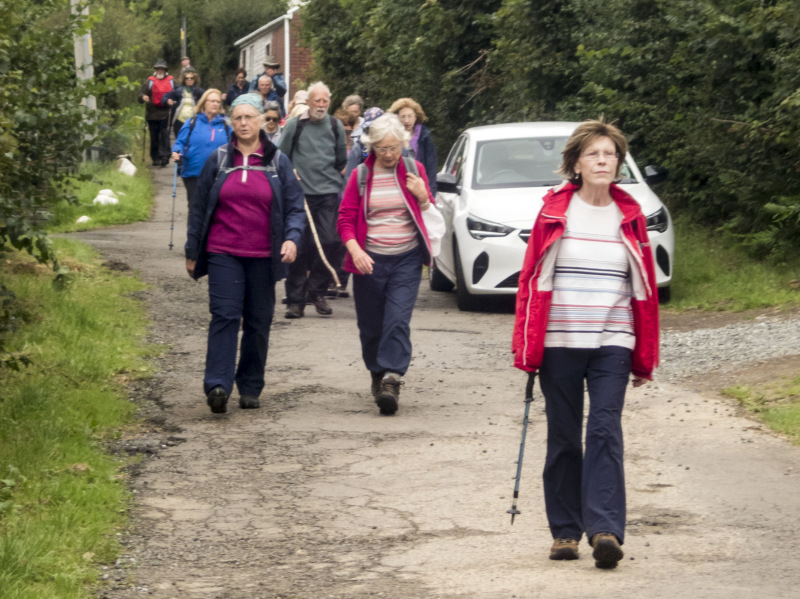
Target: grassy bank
{"type": "Point", "coordinates": [776, 403]}
{"type": "Point", "coordinates": [62, 497]}
{"type": "Point", "coordinates": [135, 199]}
{"type": "Point", "coordinates": [712, 275]}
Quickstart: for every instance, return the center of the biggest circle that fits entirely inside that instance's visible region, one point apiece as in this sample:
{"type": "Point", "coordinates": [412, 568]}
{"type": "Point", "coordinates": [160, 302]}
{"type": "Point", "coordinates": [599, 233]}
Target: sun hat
{"type": "Point", "coordinates": [161, 64]}
{"type": "Point", "coordinates": [269, 61]}
{"type": "Point", "coordinates": [252, 99]}
{"type": "Point", "coordinates": [371, 115]}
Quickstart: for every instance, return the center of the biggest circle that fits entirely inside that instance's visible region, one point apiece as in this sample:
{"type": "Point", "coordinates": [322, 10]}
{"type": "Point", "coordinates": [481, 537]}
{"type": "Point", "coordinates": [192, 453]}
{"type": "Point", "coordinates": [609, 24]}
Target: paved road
{"type": "Point", "coordinates": [316, 495]}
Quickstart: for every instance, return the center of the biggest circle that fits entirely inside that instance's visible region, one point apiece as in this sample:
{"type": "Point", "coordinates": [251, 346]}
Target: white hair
{"type": "Point", "coordinates": [319, 86]}
{"type": "Point", "coordinates": [266, 77]}
{"type": "Point", "coordinates": [386, 124]}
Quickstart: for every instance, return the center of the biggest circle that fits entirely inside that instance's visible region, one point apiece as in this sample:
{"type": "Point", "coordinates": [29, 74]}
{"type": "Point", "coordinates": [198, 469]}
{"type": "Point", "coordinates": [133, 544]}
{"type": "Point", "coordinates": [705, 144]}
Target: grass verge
{"type": "Point", "coordinates": [711, 275]}
{"type": "Point", "coordinates": [776, 403]}
{"type": "Point", "coordinates": [135, 199]}
{"type": "Point", "coordinates": [62, 496]}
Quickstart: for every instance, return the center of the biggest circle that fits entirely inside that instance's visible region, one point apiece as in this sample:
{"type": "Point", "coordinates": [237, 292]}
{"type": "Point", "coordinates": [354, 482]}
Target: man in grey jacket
{"type": "Point", "coordinates": [315, 143]}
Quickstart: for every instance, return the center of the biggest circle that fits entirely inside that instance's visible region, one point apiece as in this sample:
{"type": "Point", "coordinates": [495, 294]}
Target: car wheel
{"type": "Point", "coordinates": [464, 299]}
{"type": "Point", "coordinates": [664, 294]}
{"type": "Point", "coordinates": [438, 281]}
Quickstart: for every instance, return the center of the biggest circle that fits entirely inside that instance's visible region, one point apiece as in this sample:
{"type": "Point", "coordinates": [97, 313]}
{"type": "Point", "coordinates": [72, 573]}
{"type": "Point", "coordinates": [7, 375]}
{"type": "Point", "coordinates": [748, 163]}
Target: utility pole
{"type": "Point", "coordinates": [183, 38]}
{"type": "Point", "coordinates": [83, 60]}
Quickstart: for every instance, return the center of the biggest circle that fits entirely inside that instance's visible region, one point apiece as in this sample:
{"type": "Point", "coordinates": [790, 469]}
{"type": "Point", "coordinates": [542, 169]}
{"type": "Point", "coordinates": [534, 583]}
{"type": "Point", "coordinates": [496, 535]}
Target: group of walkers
{"type": "Point", "coordinates": [297, 198]}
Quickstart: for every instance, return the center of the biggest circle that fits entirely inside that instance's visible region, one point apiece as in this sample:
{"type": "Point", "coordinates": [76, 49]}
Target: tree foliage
{"type": "Point", "coordinates": [708, 88]}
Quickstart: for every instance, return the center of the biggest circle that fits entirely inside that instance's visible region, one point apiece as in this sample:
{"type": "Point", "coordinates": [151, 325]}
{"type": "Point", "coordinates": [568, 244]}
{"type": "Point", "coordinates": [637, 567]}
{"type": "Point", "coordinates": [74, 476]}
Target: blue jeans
{"type": "Point", "coordinates": [384, 303]}
{"type": "Point", "coordinates": [239, 290]}
{"type": "Point", "coordinates": [585, 491]}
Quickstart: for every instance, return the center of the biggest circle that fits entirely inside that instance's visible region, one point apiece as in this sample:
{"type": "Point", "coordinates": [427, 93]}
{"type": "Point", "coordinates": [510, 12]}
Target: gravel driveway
{"type": "Point", "coordinates": [315, 495]}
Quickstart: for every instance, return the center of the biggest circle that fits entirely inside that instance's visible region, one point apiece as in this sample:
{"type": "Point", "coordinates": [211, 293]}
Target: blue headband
{"type": "Point", "coordinates": [252, 99]}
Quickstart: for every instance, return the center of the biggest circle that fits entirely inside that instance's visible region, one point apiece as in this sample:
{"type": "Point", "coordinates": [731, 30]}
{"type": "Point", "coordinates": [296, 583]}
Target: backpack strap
{"type": "Point", "coordinates": [411, 165]}
{"type": "Point", "coordinates": [301, 122]}
{"type": "Point", "coordinates": [362, 179]}
{"type": "Point", "coordinates": [222, 154]}
{"type": "Point", "coordinates": [192, 123]}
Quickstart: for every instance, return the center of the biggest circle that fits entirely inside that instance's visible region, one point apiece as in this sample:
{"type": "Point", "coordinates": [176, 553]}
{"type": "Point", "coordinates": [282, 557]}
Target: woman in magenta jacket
{"type": "Point", "coordinates": [587, 313]}
{"type": "Point", "coordinates": [390, 227]}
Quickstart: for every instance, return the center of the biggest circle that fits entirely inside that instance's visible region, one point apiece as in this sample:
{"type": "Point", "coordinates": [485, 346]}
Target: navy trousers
{"type": "Point", "coordinates": [384, 303]}
{"type": "Point", "coordinates": [584, 491]}
{"type": "Point", "coordinates": [240, 290]}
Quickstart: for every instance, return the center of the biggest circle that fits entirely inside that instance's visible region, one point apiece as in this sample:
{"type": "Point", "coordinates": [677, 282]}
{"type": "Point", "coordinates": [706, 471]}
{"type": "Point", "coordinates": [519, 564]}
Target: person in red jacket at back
{"type": "Point", "coordinates": [157, 116]}
{"type": "Point", "coordinates": [587, 313]}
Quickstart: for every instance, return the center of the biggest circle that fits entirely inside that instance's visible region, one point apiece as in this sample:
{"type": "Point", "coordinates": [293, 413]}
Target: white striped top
{"type": "Point", "coordinates": [591, 303]}
{"type": "Point", "coordinates": [390, 226]}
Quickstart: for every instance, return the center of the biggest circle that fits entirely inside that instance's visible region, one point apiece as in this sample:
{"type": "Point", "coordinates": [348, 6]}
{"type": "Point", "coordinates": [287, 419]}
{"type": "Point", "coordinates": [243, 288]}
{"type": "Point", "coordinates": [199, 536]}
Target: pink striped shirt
{"type": "Point", "coordinates": [390, 226]}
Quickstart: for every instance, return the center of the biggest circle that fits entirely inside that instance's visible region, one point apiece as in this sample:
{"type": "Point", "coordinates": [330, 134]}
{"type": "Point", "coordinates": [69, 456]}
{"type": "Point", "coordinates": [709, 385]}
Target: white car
{"type": "Point", "coordinates": [490, 191]}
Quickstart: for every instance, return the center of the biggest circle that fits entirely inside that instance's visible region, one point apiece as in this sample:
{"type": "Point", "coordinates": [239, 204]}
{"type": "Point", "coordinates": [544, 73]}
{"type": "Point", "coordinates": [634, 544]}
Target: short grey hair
{"type": "Point", "coordinates": [272, 105]}
{"type": "Point", "coordinates": [354, 99]}
{"type": "Point", "coordinates": [266, 77]}
{"type": "Point", "coordinates": [318, 85]}
{"type": "Point", "coordinates": [387, 124]}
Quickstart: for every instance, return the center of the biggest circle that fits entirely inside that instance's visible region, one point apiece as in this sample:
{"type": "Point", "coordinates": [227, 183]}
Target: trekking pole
{"type": "Point", "coordinates": [144, 138]}
{"type": "Point", "coordinates": [319, 247]}
{"type": "Point", "coordinates": [174, 187]}
{"type": "Point", "coordinates": [528, 400]}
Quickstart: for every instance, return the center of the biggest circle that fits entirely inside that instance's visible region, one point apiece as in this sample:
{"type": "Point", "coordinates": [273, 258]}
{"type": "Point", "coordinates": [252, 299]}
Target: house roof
{"type": "Point", "coordinates": [251, 36]}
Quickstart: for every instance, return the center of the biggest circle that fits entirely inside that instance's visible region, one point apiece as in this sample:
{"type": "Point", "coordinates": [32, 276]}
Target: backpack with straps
{"type": "Point", "coordinates": [222, 157]}
{"type": "Point", "coordinates": [301, 122]}
{"type": "Point", "coordinates": [411, 167]}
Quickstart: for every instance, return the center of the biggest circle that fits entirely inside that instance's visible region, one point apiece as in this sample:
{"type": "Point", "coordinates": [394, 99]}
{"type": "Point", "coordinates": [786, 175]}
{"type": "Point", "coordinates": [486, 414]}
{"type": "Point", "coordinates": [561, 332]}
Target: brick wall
{"type": "Point", "coordinates": [300, 55]}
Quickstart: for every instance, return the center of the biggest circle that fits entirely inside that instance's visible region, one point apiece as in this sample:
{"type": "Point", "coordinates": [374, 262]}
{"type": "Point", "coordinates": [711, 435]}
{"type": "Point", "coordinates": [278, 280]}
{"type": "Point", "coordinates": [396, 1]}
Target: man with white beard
{"type": "Point", "coordinates": [315, 143]}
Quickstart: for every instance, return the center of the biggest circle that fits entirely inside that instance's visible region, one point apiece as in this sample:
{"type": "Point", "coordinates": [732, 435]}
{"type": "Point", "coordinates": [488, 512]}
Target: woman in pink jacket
{"type": "Point", "coordinates": [587, 313]}
{"type": "Point", "coordinates": [390, 227]}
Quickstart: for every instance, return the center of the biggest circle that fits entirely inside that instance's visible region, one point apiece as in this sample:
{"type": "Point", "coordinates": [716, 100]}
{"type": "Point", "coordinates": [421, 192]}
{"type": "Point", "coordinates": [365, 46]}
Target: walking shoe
{"type": "Point", "coordinates": [564, 549]}
{"type": "Point", "coordinates": [607, 551]}
{"type": "Point", "coordinates": [321, 304]}
{"type": "Point", "coordinates": [217, 400]}
{"type": "Point", "coordinates": [389, 394]}
{"type": "Point", "coordinates": [377, 377]}
{"type": "Point", "coordinates": [331, 291]}
{"type": "Point", "coordinates": [249, 402]}
{"type": "Point", "coordinates": [295, 310]}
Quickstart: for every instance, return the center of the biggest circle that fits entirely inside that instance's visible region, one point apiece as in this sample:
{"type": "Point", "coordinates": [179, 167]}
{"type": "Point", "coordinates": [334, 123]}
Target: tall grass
{"type": "Point", "coordinates": [61, 494]}
{"type": "Point", "coordinates": [135, 199]}
{"type": "Point", "coordinates": [712, 275]}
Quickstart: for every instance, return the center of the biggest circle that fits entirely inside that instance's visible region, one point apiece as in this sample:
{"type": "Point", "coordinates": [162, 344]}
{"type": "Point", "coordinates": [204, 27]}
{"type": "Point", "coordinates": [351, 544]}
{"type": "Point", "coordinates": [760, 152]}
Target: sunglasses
{"type": "Point", "coordinates": [189, 78]}
{"type": "Point", "coordinates": [273, 119]}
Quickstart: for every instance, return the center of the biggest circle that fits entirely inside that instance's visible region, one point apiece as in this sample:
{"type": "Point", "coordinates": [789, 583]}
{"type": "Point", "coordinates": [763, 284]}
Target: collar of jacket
{"type": "Point", "coordinates": [557, 200]}
{"type": "Point", "coordinates": [269, 149]}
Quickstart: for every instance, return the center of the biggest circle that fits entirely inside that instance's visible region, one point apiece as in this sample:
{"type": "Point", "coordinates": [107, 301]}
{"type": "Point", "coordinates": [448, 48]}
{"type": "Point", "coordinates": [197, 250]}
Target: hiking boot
{"type": "Point", "coordinates": [217, 400]}
{"type": "Point", "coordinates": [332, 291]}
{"type": "Point", "coordinates": [607, 551]}
{"type": "Point", "coordinates": [377, 377]}
{"type": "Point", "coordinates": [321, 304]}
{"type": "Point", "coordinates": [564, 549]}
{"type": "Point", "coordinates": [295, 310]}
{"type": "Point", "coordinates": [249, 402]}
{"type": "Point", "coordinates": [389, 394]}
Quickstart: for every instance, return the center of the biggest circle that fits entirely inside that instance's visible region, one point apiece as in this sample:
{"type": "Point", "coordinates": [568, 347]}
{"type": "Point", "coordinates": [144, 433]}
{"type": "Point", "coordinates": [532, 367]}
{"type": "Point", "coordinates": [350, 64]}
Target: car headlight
{"type": "Point", "coordinates": [480, 229]}
{"type": "Point", "coordinates": [658, 221]}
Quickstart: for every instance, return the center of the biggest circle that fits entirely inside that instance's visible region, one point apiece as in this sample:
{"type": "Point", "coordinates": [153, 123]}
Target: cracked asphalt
{"type": "Point", "coordinates": [316, 495]}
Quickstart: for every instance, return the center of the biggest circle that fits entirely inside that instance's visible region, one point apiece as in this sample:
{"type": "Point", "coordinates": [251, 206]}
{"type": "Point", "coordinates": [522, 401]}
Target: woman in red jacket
{"type": "Point", "coordinates": [587, 311]}
{"type": "Point", "coordinates": [390, 227]}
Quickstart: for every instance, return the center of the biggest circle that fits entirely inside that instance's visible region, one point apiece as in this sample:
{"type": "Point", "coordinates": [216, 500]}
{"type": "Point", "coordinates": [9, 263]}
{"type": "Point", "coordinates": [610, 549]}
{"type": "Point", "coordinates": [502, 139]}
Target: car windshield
{"type": "Point", "coordinates": [527, 162]}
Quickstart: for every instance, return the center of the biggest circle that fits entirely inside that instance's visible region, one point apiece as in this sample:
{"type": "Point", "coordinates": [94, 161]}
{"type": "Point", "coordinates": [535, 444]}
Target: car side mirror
{"type": "Point", "coordinates": [655, 174]}
{"type": "Point", "coordinates": [446, 183]}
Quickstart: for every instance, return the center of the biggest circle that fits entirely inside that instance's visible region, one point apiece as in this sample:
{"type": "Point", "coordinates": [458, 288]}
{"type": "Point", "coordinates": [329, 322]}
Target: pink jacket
{"type": "Point", "coordinates": [533, 305]}
{"type": "Point", "coordinates": [352, 223]}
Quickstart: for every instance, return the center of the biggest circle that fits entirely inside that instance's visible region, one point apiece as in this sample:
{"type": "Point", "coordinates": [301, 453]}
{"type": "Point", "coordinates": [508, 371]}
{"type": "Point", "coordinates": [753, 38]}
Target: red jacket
{"type": "Point", "coordinates": [533, 305]}
{"type": "Point", "coordinates": [352, 223]}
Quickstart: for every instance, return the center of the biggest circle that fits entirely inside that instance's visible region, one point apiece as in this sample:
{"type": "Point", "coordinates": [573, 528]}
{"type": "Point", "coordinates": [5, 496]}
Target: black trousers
{"type": "Point", "coordinates": [308, 275]}
{"type": "Point", "coordinates": [159, 140]}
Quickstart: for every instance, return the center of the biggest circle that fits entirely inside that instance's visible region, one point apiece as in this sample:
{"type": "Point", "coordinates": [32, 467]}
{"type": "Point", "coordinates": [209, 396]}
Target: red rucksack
{"type": "Point", "coordinates": [159, 87]}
